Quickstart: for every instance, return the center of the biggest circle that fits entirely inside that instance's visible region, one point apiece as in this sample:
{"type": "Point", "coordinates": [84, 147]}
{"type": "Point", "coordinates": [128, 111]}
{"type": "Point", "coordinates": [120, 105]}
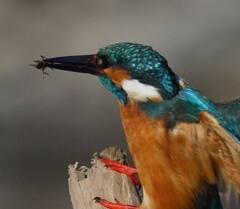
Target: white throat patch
{"type": "Point", "coordinates": [140, 92]}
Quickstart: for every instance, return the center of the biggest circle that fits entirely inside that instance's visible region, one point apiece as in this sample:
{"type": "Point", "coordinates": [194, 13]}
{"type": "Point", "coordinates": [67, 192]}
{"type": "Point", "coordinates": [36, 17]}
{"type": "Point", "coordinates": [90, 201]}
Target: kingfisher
{"type": "Point", "coordinates": [184, 145]}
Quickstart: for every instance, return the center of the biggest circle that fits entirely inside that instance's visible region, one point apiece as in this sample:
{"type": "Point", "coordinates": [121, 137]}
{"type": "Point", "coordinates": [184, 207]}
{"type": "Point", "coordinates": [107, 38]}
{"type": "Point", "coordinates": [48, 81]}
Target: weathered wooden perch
{"type": "Point", "coordinates": [87, 183]}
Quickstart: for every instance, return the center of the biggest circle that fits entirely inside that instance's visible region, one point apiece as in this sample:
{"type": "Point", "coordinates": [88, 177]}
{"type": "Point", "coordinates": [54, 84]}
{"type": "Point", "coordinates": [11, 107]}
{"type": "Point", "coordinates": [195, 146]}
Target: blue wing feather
{"type": "Point", "coordinates": [228, 114]}
{"type": "Point", "coordinates": [231, 114]}
{"type": "Point", "coordinates": [189, 103]}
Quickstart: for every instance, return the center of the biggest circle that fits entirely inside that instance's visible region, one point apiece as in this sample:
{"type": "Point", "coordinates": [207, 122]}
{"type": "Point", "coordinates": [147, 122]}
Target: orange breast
{"type": "Point", "coordinates": [168, 163]}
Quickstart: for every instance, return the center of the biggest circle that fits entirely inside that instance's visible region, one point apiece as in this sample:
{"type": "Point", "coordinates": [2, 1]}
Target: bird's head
{"type": "Point", "coordinates": [131, 71]}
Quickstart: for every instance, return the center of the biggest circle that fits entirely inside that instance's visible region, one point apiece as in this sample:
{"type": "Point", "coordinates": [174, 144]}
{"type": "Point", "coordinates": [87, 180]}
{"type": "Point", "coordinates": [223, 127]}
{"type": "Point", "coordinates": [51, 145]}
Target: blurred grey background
{"type": "Point", "coordinates": [45, 124]}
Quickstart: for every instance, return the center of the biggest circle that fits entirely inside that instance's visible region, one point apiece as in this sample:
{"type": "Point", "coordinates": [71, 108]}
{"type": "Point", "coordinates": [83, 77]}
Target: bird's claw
{"type": "Point", "coordinates": [97, 199]}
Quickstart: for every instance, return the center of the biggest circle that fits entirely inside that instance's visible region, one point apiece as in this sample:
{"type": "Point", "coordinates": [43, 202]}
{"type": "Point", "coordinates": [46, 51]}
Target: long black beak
{"type": "Point", "coordinates": [81, 64]}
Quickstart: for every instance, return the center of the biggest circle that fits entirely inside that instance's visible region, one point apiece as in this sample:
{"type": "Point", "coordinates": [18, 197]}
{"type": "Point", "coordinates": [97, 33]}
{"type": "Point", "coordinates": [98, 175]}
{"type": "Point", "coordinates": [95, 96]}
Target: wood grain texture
{"type": "Point", "coordinates": [87, 183]}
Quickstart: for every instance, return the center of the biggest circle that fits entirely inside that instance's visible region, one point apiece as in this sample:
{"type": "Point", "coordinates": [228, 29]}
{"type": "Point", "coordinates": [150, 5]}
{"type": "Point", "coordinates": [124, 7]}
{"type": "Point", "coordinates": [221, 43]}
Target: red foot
{"type": "Point", "coordinates": [131, 172]}
{"type": "Point", "coordinates": [111, 205]}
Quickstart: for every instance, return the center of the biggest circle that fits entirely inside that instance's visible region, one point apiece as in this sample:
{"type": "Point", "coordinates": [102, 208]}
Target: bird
{"type": "Point", "coordinates": [185, 146]}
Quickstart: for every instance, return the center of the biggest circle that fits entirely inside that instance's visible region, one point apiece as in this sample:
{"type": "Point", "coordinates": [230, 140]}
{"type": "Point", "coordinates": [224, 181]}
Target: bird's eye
{"type": "Point", "coordinates": [102, 62]}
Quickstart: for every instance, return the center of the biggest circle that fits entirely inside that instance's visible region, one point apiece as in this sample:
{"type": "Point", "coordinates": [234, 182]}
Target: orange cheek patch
{"type": "Point", "coordinates": [117, 75]}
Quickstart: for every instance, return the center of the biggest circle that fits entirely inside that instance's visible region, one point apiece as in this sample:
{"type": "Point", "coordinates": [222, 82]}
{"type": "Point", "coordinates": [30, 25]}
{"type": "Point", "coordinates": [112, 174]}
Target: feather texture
{"type": "Point", "coordinates": [219, 127]}
{"type": "Point", "coordinates": [231, 114]}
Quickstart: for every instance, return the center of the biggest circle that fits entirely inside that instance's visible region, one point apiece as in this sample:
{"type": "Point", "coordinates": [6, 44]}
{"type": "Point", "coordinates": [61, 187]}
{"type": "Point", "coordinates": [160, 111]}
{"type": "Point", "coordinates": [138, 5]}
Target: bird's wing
{"type": "Point", "coordinates": [223, 148]}
{"type": "Point", "coordinates": [225, 152]}
{"type": "Point", "coordinates": [221, 124]}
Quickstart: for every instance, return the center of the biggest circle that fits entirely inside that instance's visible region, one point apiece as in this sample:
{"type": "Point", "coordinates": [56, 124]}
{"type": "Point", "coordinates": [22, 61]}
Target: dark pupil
{"type": "Point", "coordinates": [102, 62]}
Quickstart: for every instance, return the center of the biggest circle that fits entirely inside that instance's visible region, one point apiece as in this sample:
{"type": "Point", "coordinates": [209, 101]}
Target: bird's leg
{"type": "Point", "coordinates": [116, 166]}
{"type": "Point", "coordinates": [111, 205]}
